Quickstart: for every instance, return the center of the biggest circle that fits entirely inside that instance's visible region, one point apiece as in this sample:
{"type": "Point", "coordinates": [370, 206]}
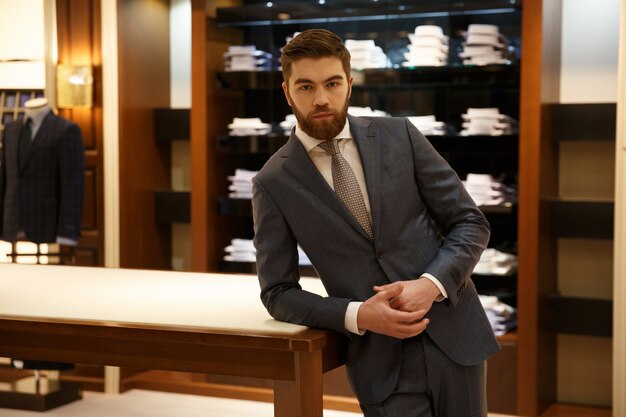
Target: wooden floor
{"type": "Point", "coordinates": [140, 403]}
{"type": "Point", "coordinates": [564, 410]}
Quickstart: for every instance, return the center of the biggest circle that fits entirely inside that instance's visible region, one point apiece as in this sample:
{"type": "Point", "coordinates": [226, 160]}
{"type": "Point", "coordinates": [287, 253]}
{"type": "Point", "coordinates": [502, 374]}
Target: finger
{"type": "Point", "coordinates": [414, 329]}
{"type": "Point", "coordinates": [409, 316]}
{"type": "Point", "coordinates": [379, 288]}
{"type": "Point", "coordinates": [390, 292]}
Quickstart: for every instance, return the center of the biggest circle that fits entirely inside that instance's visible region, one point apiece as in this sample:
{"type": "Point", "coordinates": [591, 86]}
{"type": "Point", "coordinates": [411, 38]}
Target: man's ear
{"type": "Point", "coordinates": [350, 86]}
{"type": "Point", "coordinates": [286, 91]}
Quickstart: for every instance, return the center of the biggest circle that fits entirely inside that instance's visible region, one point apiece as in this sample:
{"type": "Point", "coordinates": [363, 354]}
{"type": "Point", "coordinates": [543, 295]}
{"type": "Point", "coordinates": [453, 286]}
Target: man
{"type": "Point", "coordinates": [395, 253]}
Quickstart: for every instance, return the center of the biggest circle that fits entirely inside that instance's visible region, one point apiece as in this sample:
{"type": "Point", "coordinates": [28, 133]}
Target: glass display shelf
{"type": "Point", "coordinates": [269, 13]}
{"type": "Point", "coordinates": [388, 78]}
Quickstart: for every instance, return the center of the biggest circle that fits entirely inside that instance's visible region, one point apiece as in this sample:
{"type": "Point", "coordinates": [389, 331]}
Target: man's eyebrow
{"type": "Point", "coordinates": [308, 81]}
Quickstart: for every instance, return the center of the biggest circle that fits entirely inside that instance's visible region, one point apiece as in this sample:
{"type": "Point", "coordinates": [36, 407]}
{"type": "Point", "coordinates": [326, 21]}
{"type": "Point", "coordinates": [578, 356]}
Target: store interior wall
{"type": "Point", "coordinates": [180, 82]}
{"type": "Point", "coordinates": [589, 74]}
{"type": "Point", "coordinates": [22, 49]}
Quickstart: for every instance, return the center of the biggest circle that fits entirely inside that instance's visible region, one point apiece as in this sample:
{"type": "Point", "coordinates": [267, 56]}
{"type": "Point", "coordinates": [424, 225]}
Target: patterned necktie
{"type": "Point", "coordinates": [346, 185]}
{"type": "Point", "coordinates": [24, 144]}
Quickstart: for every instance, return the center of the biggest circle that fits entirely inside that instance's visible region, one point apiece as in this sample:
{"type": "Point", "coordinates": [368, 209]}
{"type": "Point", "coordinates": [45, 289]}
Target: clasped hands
{"type": "Point", "coordinates": [398, 309]}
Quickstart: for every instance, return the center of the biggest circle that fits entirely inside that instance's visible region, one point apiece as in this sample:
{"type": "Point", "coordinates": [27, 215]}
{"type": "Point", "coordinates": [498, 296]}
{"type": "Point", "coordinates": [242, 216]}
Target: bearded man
{"type": "Point", "coordinates": [392, 234]}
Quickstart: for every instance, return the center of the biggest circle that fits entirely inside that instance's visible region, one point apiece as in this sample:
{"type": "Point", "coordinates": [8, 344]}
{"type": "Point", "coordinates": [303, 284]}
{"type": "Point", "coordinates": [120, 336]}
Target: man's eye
{"type": "Point", "coordinates": [305, 87]}
{"type": "Point", "coordinates": [333, 84]}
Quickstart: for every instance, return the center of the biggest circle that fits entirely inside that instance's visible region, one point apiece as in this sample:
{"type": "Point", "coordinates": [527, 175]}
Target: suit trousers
{"type": "Point", "coordinates": [432, 385]}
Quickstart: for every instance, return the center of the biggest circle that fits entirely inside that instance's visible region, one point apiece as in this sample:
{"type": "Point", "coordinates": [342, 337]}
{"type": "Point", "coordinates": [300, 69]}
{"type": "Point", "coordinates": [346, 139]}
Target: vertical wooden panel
{"type": "Point", "coordinates": [203, 213]}
{"type": "Point", "coordinates": [79, 43]}
{"type": "Point", "coordinates": [208, 43]}
{"type": "Point", "coordinates": [536, 387]}
{"type": "Point", "coordinates": [619, 262]}
{"type": "Point", "coordinates": [143, 30]}
{"type": "Point", "coordinates": [89, 201]}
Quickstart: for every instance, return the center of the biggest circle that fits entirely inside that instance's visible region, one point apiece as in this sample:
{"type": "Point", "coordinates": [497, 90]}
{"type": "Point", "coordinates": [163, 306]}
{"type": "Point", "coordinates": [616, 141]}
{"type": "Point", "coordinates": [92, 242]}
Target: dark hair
{"type": "Point", "coordinates": [314, 43]}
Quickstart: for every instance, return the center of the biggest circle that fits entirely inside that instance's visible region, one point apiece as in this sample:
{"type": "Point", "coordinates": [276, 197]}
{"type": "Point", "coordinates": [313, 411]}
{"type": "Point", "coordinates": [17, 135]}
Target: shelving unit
{"type": "Point", "coordinates": [12, 104]}
{"type": "Point", "coordinates": [445, 92]}
{"type": "Point", "coordinates": [530, 352]}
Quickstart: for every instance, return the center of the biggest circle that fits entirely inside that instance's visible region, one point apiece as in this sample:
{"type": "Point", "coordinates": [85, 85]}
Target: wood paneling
{"type": "Point", "coordinates": [538, 168]}
{"type": "Point", "coordinates": [143, 48]}
{"type": "Point", "coordinates": [202, 155]}
{"type": "Point", "coordinates": [208, 43]}
{"type": "Point", "coordinates": [79, 43]}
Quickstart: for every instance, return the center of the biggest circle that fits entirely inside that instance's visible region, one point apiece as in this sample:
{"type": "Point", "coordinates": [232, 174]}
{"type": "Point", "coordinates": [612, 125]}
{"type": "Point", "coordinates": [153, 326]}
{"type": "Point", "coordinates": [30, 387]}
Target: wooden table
{"type": "Point", "coordinates": [208, 323]}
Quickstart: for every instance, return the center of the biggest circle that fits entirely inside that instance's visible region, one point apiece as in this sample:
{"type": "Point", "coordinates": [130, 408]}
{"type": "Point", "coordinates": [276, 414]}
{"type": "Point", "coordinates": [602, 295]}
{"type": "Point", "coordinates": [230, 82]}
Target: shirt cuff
{"type": "Point", "coordinates": [351, 318]}
{"type": "Point", "coordinates": [66, 241]}
{"type": "Point", "coordinates": [444, 293]}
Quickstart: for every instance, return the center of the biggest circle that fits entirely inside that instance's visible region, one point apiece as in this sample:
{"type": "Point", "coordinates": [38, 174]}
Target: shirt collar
{"type": "Point", "coordinates": [38, 117]}
{"type": "Point", "coordinates": [310, 142]}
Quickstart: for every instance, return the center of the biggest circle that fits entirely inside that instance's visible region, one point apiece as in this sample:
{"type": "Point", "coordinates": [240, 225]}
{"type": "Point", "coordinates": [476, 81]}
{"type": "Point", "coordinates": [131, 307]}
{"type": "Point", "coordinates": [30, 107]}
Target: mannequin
{"type": "Point", "coordinates": [36, 106]}
{"type": "Point", "coordinates": [41, 186]}
{"type": "Point", "coordinates": [41, 180]}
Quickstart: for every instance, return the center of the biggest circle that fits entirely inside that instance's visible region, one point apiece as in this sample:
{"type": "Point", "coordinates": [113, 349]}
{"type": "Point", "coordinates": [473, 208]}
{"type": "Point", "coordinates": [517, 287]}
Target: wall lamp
{"type": "Point", "coordinates": [74, 86]}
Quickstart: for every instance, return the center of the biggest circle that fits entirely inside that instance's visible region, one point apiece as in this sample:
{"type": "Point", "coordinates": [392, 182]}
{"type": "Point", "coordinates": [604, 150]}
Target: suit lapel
{"type": "Point", "coordinates": [368, 142]}
{"type": "Point", "coordinates": [44, 131]}
{"type": "Point", "coordinates": [298, 164]}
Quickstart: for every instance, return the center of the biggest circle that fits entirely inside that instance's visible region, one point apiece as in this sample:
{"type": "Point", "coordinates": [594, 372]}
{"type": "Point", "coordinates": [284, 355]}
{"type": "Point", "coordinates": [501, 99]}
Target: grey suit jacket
{"type": "Point", "coordinates": [44, 197]}
{"type": "Point", "coordinates": [423, 220]}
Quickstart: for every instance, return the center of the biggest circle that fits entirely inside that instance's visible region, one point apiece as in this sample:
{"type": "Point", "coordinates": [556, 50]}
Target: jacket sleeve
{"type": "Point", "coordinates": [71, 174]}
{"type": "Point", "coordinates": [277, 268]}
{"type": "Point", "coordinates": [463, 227]}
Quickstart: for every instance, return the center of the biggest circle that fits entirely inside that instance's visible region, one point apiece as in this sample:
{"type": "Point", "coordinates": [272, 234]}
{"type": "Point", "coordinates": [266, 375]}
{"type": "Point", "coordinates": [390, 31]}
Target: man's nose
{"type": "Point", "coordinates": [321, 98]}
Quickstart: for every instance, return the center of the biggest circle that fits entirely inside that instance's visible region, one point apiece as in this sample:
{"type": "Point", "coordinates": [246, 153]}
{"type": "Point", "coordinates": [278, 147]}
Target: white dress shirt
{"type": "Point", "coordinates": [322, 161]}
{"type": "Point", "coordinates": [36, 117]}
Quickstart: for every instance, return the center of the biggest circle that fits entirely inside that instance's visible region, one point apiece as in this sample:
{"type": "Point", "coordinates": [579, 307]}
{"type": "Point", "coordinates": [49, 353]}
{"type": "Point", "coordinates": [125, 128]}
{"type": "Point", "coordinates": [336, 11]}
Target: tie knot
{"type": "Point", "coordinates": [330, 146]}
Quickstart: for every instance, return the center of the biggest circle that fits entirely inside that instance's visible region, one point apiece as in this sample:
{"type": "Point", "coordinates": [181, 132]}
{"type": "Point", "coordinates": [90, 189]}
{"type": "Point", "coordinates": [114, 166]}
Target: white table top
{"type": "Point", "coordinates": [228, 302]}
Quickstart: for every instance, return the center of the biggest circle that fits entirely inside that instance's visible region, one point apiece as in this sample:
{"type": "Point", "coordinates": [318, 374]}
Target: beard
{"type": "Point", "coordinates": [322, 129]}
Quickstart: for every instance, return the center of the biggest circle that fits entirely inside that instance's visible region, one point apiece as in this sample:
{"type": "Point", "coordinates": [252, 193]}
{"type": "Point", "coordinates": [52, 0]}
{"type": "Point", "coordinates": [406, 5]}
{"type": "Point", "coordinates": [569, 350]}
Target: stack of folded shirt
{"type": "Point", "coordinates": [241, 183]}
{"type": "Point", "coordinates": [484, 45]}
{"type": "Point", "coordinates": [502, 317]}
{"type": "Point", "coordinates": [428, 47]}
{"type": "Point", "coordinates": [366, 111]}
{"type": "Point", "coordinates": [242, 250]}
{"type": "Point", "coordinates": [248, 127]}
{"type": "Point", "coordinates": [428, 125]}
{"type": "Point", "coordinates": [487, 121]}
{"type": "Point", "coordinates": [365, 54]}
{"type": "Point", "coordinates": [485, 191]}
{"type": "Point", "coordinates": [247, 58]}
{"type": "Point", "coordinates": [494, 262]}
{"type": "Point", "coordinates": [288, 124]}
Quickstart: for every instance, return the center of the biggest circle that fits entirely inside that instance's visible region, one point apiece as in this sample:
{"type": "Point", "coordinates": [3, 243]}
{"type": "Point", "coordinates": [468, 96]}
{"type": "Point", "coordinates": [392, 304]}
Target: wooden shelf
{"type": "Point", "coordinates": [12, 104]}
{"type": "Point", "coordinates": [386, 78]}
{"type": "Point", "coordinates": [582, 316]}
{"type": "Point", "coordinates": [171, 124]}
{"type": "Point", "coordinates": [172, 206]}
{"type": "Point", "coordinates": [583, 122]}
{"type": "Point", "coordinates": [582, 218]}
{"type": "Point", "coordinates": [234, 206]}
{"type": "Point", "coordinates": [571, 410]}
{"type": "Point", "coordinates": [262, 145]}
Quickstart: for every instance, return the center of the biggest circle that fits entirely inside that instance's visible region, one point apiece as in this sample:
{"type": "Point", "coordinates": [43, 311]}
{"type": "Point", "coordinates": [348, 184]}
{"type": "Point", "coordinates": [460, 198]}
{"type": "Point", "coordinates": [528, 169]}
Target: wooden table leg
{"type": "Point", "coordinates": [303, 396]}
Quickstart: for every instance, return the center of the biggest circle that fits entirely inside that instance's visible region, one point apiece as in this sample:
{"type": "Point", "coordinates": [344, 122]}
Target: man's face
{"type": "Point", "coordinates": [319, 93]}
